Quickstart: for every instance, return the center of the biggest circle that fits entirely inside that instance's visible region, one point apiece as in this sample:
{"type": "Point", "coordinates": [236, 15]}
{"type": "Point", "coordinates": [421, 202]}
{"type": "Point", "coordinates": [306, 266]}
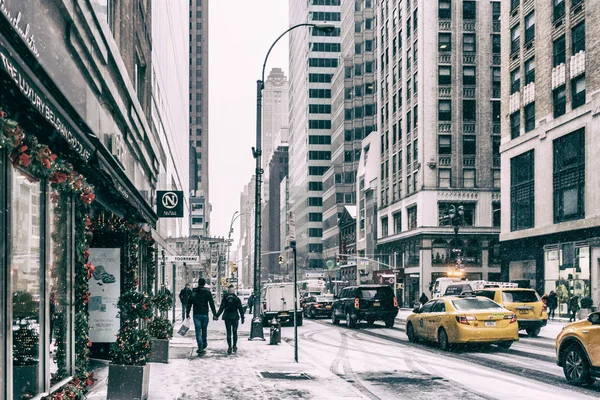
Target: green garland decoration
{"type": "Point", "coordinates": [132, 346]}
{"type": "Point", "coordinates": [37, 159]}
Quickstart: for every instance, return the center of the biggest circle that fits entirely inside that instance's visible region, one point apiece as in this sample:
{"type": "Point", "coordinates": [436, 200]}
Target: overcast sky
{"type": "Point", "coordinates": [240, 34]}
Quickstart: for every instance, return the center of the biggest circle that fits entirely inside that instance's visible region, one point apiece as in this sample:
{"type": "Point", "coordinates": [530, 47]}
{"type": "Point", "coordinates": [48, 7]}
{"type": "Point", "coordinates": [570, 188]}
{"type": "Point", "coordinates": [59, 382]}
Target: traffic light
{"type": "Point", "coordinates": [233, 267]}
{"type": "Point", "coordinates": [223, 281]}
{"type": "Point", "coordinates": [280, 260]}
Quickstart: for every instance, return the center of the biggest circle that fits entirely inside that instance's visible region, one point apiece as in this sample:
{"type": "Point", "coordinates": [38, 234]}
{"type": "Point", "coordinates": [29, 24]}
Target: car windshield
{"type": "Point", "coordinates": [520, 296]}
{"type": "Point", "coordinates": [321, 299]}
{"type": "Point", "coordinates": [475, 303]}
{"type": "Point", "coordinates": [379, 293]}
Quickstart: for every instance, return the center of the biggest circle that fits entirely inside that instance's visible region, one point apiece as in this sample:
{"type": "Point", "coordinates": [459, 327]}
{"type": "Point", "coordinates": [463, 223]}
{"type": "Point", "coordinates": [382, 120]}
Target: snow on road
{"type": "Point", "coordinates": [382, 364]}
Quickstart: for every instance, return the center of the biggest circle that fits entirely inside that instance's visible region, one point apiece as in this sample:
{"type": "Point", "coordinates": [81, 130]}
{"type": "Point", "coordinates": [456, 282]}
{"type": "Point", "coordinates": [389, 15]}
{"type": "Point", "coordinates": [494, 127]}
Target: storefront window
{"type": "Point", "coordinates": [439, 253]}
{"type": "Point", "coordinates": [567, 272]}
{"type": "Point", "coordinates": [26, 284]}
{"type": "Point", "coordinates": [59, 283]}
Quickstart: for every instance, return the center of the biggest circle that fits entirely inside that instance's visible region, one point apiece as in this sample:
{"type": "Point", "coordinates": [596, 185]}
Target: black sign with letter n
{"type": "Point", "coordinates": [169, 204]}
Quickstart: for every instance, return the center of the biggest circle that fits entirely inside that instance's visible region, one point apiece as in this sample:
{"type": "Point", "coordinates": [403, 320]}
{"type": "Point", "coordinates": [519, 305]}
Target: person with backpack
{"type": "Point", "coordinates": [200, 300]}
{"type": "Point", "coordinates": [232, 310]}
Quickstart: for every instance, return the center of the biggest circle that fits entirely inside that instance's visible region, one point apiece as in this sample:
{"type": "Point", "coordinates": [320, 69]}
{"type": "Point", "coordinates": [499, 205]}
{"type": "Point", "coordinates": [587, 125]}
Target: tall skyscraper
{"type": "Point", "coordinates": [439, 102]}
{"type": "Point", "coordinates": [199, 185]}
{"type": "Point", "coordinates": [353, 117]}
{"type": "Point", "coordinates": [314, 57]}
{"type": "Point", "coordinates": [275, 110]}
{"type": "Point", "coordinates": [551, 116]}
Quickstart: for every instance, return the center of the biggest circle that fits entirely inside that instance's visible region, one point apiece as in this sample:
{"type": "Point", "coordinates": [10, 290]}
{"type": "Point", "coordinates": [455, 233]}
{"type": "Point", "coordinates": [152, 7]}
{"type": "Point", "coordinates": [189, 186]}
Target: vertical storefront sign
{"type": "Point", "coordinates": [104, 294]}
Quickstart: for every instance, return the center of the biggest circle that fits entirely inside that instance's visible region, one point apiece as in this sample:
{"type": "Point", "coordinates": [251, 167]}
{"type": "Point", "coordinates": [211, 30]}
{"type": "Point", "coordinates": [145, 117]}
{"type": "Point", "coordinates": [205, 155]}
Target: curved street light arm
{"type": "Point", "coordinates": [262, 79]}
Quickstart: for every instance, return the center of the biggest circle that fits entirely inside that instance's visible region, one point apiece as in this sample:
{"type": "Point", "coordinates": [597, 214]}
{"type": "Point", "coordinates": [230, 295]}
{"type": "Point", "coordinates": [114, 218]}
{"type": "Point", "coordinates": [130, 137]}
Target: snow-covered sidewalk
{"type": "Point", "coordinates": [249, 374]}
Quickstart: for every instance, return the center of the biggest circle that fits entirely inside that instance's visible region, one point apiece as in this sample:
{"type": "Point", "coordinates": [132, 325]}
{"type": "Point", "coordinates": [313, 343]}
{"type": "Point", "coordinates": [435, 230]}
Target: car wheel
{"type": "Point", "coordinates": [576, 367]}
{"type": "Point", "coordinates": [533, 332]}
{"type": "Point", "coordinates": [312, 314]}
{"type": "Point", "coordinates": [410, 332]}
{"type": "Point", "coordinates": [505, 345]}
{"type": "Point", "coordinates": [334, 319]}
{"type": "Point", "coordinates": [370, 322]}
{"type": "Point", "coordinates": [350, 322]}
{"type": "Point", "coordinates": [443, 340]}
{"type": "Point", "coordinates": [389, 323]}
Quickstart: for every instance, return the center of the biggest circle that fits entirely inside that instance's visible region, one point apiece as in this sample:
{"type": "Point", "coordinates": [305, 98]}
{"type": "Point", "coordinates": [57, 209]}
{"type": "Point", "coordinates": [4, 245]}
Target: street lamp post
{"type": "Point", "coordinates": [456, 215]}
{"type": "Point", "coordinates": [235, 216]}
{"type": "Point", "coordinates": [256, 331]}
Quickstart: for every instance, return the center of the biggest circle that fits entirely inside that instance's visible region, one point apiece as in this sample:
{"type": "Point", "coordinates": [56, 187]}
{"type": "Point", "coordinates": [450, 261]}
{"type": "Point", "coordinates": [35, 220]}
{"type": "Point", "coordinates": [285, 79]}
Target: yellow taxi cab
{"type": "Point", "coordinates": [578, 350]}
{"type": "Point", "coordinates": [463, 319]}
{"type": "Point", "coordinates": [525, 303]}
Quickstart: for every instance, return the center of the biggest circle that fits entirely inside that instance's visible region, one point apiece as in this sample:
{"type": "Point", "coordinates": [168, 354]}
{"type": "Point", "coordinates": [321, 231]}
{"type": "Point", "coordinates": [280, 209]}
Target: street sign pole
{"type": "Point", "coordinates": [175, 302]}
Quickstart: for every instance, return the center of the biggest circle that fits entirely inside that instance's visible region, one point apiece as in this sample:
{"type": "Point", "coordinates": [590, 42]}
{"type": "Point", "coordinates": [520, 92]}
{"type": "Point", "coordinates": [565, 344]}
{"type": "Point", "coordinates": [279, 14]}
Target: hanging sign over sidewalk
{"type": "Point", "coordinates": [169, 204]}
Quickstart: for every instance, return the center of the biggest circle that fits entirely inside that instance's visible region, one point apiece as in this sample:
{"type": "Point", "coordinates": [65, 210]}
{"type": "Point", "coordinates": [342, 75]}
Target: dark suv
{"type": "Point", "coordinates": [365, 303]}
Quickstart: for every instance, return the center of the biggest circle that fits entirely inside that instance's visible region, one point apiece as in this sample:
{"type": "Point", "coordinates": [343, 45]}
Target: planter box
{"type": "Point", "coordinates": [128, 382]}
{"type": "Point", "coordinates": [160, 351]}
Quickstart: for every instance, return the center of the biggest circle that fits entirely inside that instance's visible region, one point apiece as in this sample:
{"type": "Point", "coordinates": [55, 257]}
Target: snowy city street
{"type": "Point", "coordinates": [367, 363]}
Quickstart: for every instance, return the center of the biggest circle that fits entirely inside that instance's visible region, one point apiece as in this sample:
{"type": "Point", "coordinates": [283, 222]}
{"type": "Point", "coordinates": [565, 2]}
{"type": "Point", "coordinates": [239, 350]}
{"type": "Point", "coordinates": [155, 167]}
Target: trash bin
{"type": "Point", "coordinates": [275, 331]}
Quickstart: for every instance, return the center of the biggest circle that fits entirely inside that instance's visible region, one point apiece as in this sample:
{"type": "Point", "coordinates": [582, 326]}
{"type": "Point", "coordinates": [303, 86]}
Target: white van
{"type": "Point", "coordinates": [278, 301]}
{"type": "Point", "coordinates": [244, 295]}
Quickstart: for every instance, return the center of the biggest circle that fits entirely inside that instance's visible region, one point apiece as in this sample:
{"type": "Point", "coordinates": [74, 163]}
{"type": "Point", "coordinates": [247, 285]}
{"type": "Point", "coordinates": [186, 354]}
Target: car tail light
{"type": "Point", "coordinates": [512, 317]}
{"type": "Point", "coordinates": [357, 303]}
{"type": "Point", "coordinates": [462, 319]}
{"type": "Point", "coordinates": [317, 306]}
{"type": "Point", "coordinates": [395, 302]}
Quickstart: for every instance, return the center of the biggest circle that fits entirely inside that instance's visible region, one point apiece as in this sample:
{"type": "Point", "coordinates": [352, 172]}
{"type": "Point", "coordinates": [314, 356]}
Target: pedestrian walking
{"type": "Point", "coordinates": [423, 299]}
{"type": "Point", "coordinates": [552, 304]}
{"type": "Point", "coordinates": [200, 300]}
{"type": "Point", "coordinates": [250, 303]}
{"type": "Point", "coordinates": [573, 308]}
{"type": "Point", "coordinates": [184, 297]}
{"type": "Point", "coordinates": [232, 311]}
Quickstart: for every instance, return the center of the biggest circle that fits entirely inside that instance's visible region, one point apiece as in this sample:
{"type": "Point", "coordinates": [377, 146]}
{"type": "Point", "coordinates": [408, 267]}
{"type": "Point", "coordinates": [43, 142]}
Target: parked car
{"type": "Point", "coordinates": [462, 319]}
{"type": "Point", "coordinates": [525, 303]}
{"type": "Point", "coordinates": [578, 350]}
{"type": "Point", "coordinates": [278, 301]}
{"type": "Point", "coordinates": [365, 303]}
{"type": "Point", "coordinates": [318, 306]}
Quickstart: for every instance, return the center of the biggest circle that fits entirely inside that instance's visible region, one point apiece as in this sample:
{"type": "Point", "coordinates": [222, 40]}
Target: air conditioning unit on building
{"type": "Point", "coordinates": [431, 164]}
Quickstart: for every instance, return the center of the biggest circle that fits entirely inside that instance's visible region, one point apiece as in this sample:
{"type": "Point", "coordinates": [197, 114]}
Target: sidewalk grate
{"type": "Point", "coordinates": [284, 375]}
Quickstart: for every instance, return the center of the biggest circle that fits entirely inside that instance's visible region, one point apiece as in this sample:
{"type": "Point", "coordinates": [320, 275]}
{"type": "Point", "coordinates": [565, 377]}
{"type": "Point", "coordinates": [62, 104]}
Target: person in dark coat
{"type": "Point", "coordinates": [232, 310]}
{"type": "Point", "coordinates": [552, 304]}
{"type": "Point", "coordinates": [200, 300]}
{"type": "Point", "coordinates": [184, 297]}
{"type": "Point", "coordinates": [573, 308]}
{"type": "Point", "coordinates": [423, 299]}
{"type": "Point", "coordinates": [250, 303]}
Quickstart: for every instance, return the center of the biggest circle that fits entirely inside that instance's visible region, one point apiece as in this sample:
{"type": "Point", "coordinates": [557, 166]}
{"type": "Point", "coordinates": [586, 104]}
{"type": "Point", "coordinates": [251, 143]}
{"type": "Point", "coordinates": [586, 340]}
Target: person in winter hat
{"type": "Point", "coordinates": [200, 300]}
{"type": "Point", "coordinates": [424, 299]}
{"type": "Point", "coordinates": [232, 310]}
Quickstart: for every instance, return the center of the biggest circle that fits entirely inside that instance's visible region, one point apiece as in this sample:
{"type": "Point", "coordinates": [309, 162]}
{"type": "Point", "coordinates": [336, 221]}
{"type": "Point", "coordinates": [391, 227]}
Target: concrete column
{"type": "Point", "coordinates": [595, 275]}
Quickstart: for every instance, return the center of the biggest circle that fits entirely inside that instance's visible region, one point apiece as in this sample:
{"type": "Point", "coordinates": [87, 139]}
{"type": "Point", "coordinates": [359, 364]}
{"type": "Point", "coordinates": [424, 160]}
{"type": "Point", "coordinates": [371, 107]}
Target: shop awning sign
{"type": "Point", "coordinates": [169, 204]}
{"type": "Point", "coordinates": [190, 259]}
